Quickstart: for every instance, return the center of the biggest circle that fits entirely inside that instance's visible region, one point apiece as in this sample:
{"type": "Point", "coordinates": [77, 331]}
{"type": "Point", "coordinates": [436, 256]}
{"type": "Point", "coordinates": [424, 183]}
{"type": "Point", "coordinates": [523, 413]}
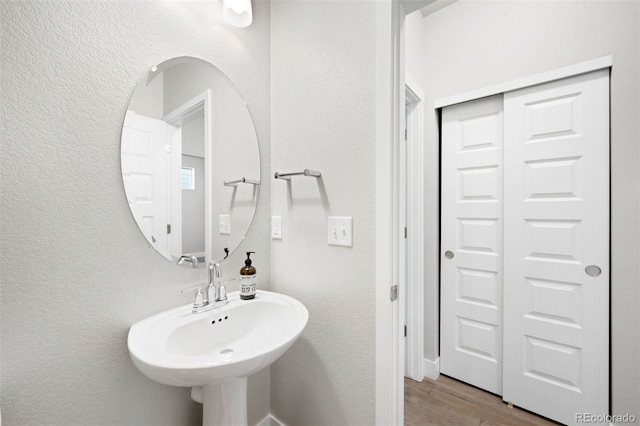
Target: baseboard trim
{"type": "Point", "coordinates": [270, 420]}
{"type": "Point", "coordinates": [431, 369]}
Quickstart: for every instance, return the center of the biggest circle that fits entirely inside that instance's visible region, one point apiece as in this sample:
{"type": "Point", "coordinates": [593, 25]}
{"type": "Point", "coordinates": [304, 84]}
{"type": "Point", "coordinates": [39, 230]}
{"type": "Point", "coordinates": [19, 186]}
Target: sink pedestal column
{"type": "Point", "coordinates": [225, 403]}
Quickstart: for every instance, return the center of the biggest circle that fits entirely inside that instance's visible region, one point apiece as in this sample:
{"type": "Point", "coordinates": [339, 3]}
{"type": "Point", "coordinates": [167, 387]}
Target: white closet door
{"type": "Point", "coordinates": [471, 258]}
{"type": "Point", "coordinates": [556, 211]}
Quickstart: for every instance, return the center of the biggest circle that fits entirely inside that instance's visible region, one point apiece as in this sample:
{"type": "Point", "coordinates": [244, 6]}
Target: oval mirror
{"type": "Point", "coordinates": [190, 161]}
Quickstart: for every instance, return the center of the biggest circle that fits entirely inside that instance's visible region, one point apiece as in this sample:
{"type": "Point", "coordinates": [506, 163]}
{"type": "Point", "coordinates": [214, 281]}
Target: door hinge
{"type": "Point", "coordinates": [405, 232]}
{"type": "Point", "coordinates": [168, 228]}
{"type": "Point", "coordinates": [405, 134]}
{"type": "Point", "coordinates": [394, 292]}
{"type": "Point", "coordinates": [405, 331]}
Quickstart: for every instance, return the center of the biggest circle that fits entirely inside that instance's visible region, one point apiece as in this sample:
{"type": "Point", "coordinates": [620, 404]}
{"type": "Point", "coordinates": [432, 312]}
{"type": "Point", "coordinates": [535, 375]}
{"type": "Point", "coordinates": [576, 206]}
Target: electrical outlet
{"type": "Point", "coordinates": [276, 227]}
{"type": "Point", "coordinates": [340, 231]}
{"type": "Point", "coordinates": [225, 224]}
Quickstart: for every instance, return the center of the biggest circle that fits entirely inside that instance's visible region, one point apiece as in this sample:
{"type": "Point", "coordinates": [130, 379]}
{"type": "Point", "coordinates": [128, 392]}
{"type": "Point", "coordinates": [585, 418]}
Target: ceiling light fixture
{"type": "Point", "coordinates": [237, 12]}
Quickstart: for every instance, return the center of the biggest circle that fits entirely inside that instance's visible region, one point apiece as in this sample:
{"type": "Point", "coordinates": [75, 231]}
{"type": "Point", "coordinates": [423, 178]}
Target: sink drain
{"type": "Point", "coordinates": [226, 351]}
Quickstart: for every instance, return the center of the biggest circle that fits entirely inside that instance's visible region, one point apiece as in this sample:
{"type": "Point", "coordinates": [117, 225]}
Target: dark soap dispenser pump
{"type": "Point", "coordinates": [248, 279]}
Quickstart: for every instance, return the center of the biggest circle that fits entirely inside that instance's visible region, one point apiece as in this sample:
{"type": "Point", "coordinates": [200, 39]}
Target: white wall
{"type": "Point", "coordinates": [150, 102]}
{"type": "Point", "coordinates": [323, 117]}
{"type": "Point", "coordinates": [76, 272]}
{"type": "Point", "coordinates": [470, 45]}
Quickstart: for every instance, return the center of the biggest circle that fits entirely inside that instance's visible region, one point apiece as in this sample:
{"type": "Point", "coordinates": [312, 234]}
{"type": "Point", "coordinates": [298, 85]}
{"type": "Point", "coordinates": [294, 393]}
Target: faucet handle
{"type": "Point", "coordinates": [222, 291]}
{"type": "Point", "coordinates": [199, 300]}
{"type": "Point", "coordinates": [190, 289]}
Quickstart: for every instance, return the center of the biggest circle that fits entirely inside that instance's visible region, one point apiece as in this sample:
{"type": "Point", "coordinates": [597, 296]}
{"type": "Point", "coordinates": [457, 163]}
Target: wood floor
{"type": "Point", "coordinates": [448, 402]}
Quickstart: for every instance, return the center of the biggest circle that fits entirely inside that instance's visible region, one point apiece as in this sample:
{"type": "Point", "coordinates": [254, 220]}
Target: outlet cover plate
{"type": "Point", "coordinates": [340, 231]}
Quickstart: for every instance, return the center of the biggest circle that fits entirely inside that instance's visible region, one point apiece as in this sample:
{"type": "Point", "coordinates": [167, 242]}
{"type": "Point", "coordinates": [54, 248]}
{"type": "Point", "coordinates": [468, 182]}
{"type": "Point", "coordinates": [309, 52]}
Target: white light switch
{"type": "Point", "coordinates": [276, 227]}
{"type": "Point", "coordinates": [225, 224]}
{"type": "Point", "coordinates": [340, 231]}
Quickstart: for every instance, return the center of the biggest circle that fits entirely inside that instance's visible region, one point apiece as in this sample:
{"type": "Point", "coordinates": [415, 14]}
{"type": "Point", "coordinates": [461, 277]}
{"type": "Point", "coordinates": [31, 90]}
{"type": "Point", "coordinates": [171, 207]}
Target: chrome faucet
{"type": "Point", "coordinates": [214, 297]}
{"type": "Point", "coordinates": [189, 259]}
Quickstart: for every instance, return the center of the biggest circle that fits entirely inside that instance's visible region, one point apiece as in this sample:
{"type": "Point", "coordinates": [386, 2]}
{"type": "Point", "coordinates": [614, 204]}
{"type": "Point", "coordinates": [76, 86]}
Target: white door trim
{"type": "Point", "coordinates": [417, 94]}
{"type": "Point", "coordinates": [533, 80]}
{"type": "Point", "coordinates": [389, 399]}
{"type": "Point", "coordinates": [414, 99]}
{"type": "Point", "coordinates": [174, 138]}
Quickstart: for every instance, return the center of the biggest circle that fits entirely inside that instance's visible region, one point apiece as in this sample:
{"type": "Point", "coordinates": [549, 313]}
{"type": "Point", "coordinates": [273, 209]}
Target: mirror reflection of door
{"type": "Point", "coordinates": [146, 174]}
{"type": "Point", "coordinates": [165, 178]}
{"type": "Point", "coordinates": [193, 185]}
{"type": "Point", "coordinates": [187, 133]}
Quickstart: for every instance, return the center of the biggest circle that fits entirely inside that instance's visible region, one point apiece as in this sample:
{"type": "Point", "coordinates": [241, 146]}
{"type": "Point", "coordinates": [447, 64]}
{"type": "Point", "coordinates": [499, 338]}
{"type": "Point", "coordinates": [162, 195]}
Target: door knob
{"type": "Point", "coordinates": [593, 270]}
{"type": "Point", "coordinates": [448, 254]}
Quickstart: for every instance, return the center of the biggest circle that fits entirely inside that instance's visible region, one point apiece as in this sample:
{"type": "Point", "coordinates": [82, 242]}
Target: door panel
{"type": "Point", "coordinates": [471, 281]}
{"type": "Point", "coordinates": [556, 218]}
{"type": "Point", "coordinates": [145, 171]}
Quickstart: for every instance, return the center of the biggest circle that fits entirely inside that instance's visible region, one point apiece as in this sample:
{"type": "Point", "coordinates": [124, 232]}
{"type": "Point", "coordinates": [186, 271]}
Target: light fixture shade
{"type": "Point", "coordinates": [237, 12]}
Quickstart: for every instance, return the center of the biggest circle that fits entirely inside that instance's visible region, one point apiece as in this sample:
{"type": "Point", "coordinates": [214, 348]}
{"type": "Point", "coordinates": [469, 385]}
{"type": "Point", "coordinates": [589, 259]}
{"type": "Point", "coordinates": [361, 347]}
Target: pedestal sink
{"type": "Point", "coordinates": [214, 352]}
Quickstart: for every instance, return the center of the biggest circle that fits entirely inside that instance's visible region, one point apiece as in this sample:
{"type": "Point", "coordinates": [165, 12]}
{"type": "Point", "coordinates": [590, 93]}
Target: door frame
{"type": "Point", "coordinates": [414, 234]}
{"type": "Point", "coordinates": [389, 210]}
{"type": "Point", "coordinates": [389, 340]}
{"type": "Point", "coordinates": [201, 102]}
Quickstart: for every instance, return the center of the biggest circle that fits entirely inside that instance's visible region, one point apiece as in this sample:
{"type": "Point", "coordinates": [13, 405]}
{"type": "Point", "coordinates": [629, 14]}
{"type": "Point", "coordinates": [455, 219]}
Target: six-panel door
{"type": "Point", "coordinates": [556, 225]}
{"type": "Point", "coordinates": [525, 246]}
{"type": "Point", "coordinates": [145, 172]}
{"type": "Point", "coordinates": [471, 270]}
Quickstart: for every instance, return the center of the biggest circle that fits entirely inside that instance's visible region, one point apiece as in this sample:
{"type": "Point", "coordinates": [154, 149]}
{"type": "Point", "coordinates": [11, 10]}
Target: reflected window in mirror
{"type": "Point", "coordinates": [187, 130]}
{"type": "Point", "coordinates": [188, 181]}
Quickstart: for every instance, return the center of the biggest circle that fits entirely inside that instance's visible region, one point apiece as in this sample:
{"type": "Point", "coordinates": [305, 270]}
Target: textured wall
{"type": "Point", "coordinates": [470, 45]}
{"type": "Point", "coordinates": [75, 270]}
{"type": "Point", "coordinates": [323, 118]}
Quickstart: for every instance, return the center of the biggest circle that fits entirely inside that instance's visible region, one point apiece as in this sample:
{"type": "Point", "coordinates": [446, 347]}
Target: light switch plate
{"type": "Point", "coordinates": [225, 224]}
{"type": "Point", "coordinates": [276, 227]}
{"type": "Point", "coordinates": [340, 231]}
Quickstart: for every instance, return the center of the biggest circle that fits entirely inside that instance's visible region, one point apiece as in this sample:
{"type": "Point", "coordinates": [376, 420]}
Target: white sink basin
{"type": "Point", "coordinates": [217, 349]}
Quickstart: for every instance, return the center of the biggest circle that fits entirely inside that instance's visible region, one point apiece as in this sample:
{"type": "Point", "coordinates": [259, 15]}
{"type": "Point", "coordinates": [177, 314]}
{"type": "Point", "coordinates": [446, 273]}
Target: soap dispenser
{"type": "Point", "coordinates": [248, 279]}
